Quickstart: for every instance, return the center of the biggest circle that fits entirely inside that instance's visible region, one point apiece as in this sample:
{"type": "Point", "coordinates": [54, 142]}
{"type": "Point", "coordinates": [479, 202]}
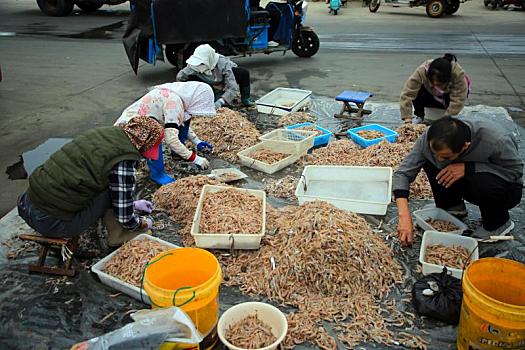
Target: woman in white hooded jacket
{"type": "Point", "coordinates": [173, 105]}
{"type": "Point", "coordinates": [220, 72]}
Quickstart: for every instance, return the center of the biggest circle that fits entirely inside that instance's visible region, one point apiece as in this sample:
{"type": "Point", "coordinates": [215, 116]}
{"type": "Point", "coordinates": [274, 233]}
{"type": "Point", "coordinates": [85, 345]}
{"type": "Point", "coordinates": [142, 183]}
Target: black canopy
{"type": "Point", "coordinates": [183, 21]}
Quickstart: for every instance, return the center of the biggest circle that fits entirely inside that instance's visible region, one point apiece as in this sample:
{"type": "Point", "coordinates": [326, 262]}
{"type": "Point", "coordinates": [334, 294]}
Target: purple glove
{"type": "Point", "coordinates": [143, 206]}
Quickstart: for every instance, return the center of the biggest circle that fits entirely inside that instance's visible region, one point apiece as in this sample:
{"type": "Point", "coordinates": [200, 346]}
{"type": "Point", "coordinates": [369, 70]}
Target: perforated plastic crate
{"type": "Point", "coordinates": [320, 140]}
{"type": "Point", "coordinates": [301, 140]}
{"type": "Point", "coordinates": [389, 135]}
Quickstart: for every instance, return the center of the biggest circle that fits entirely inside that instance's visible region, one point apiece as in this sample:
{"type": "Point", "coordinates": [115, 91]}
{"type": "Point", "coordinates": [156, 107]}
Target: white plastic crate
{"type": "Point", "coordinates": [446, 239]}
{"type": "Point", "coordinates": [224, 240]}
{"type": "Point", "coordinates": [302, 140]}
{"type": "Point", "coordinates": [118, 284]}
{"type": "Point", "coordinates": [246, 160]}
{"type": "Point", "coordinates": [365, 190]}
{"type": "Point", "coordinates": [283, 100]}
{"type": "Point", "coordinates": [423, 215]}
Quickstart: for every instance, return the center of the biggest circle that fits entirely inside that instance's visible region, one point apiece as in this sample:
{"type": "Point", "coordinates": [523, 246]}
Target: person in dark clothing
{"type": "Point", "coordinates": [93, 176]}
{"type": "Point", "coordinates": [477, 161]}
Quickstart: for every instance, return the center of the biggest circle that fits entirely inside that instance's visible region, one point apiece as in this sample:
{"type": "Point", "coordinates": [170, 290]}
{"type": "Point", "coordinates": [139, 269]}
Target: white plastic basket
{"type": "Point", "coordinates": [365, 190]}
{"type": "Point", "coordinates": [423, 215]}
{"type": "Point", "coordinates": [246, 160]}
{"type": "Point", "coordinates": [446, 239]}
{"type": "Point", "coordinates": [283, 100]}
{"type": "Point", "coordinates": [302, 140]}
{"type": "Point", "coordinates": [118, 284]}
{"type": "Point", "coordinates": [226, 240]}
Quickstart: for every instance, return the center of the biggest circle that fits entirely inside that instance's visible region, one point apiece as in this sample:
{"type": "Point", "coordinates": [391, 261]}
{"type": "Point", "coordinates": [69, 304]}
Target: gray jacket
{"type": "Point", "coordinates": [492, 150]}
{"type": "Point", "coordinates": [222, 74]}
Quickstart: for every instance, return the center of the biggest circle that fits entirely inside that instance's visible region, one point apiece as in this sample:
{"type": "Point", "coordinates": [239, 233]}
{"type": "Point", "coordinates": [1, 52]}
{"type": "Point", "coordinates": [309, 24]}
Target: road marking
{"type": "Point", "coordinates": [480, 44]}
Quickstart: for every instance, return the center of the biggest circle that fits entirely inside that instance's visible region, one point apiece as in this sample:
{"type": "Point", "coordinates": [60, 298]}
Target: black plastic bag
{"type": "Point", "coordinates": [438, 295]}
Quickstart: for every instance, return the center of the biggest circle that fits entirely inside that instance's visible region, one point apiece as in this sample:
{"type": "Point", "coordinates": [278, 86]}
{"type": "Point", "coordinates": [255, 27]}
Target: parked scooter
{"type": "Point", "coordinates": [494, 4]}
{"type": "Point", "coordinates": [435, 8]}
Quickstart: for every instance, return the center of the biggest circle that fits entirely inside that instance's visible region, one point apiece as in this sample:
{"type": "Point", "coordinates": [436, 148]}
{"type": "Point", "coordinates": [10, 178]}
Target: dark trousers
{"type": "Point", "coordinates": [242, 76]}
{"type": "Point", "coordinates": [494, 196]}
{"type": "Point", "coordinates": [426, 99]}
{"type": "Point", "coordinates": [50, 226]}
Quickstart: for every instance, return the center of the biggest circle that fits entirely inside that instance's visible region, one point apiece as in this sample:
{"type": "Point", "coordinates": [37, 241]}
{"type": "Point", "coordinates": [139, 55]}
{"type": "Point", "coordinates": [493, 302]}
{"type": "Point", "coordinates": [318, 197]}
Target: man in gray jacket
{"type": "Point", "coordinates": [477, 161]}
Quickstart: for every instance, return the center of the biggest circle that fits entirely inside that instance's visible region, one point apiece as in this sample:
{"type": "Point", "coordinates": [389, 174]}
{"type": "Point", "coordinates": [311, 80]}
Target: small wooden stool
{"type": "Point", "coordinates": [356, 97]}
{"type": "Point", "coordinates": [67, 247]}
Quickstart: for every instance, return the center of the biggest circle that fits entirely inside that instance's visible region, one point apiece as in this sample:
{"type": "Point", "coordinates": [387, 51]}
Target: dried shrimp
{"type": "Point", "coordinates": [370, 134]}
{"type": "Point", "coordinates": [229, 132]}
{"type": "Point", "coordinates": [441, 225]}
{"type": "Point", "coordinates": [327, 263]}
{"type": "Point", "coordinates": [231, 211]}
{"type": "Point", "coordinates": [296, 118]}
{"type": "Point", "coordinates": [129, 262]}
{"type": "Point", "coordinates": [250, 333]}
{"type": "Point", "coordinates": [282, 188]}
{"type": "Point", "coordinates": [451, 256]}
{"type": "Point", "coordinates": [267, 156]}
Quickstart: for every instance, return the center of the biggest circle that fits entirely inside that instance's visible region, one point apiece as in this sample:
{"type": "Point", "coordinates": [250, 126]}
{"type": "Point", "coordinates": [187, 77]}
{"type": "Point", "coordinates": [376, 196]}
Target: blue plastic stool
{"type": "Point", "coordinates": [356, 97]}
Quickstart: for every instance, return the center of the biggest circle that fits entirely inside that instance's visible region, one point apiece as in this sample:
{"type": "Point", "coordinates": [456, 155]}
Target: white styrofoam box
{"type": "Point", "coordinates": [446, 239]}
{"type": "Point", "coordinates": [118, 284]}
{"type": "Point", "coordinates": [283, 100]}
{"type": "Point", "coordinates": [247, 160]}
{"type": "Point", "coordinates": [302, 140]}
{"type": "Point", "coordinates": [267, 313]}
{"type": "Point", "coordinates": [423, 215]}
{"type": "Point", "coordinates": [359, 189]}
{"type": "Point", "coordinates": [214, 240]}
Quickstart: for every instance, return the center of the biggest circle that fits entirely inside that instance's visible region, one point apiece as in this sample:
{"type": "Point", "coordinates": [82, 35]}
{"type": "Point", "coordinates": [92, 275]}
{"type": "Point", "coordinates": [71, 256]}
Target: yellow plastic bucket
{"type": "Point", "coordinates": [188, 278]}
{"type": "Point", "coordinates": [493, 309]}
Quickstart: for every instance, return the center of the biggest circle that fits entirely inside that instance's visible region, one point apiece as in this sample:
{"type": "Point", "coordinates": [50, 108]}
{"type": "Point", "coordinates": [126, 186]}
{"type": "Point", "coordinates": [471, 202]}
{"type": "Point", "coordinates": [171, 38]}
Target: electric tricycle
{"type": "Point", "coordinates": [172, 29]}
{"type": "Point", "coordinates": [434, 8]}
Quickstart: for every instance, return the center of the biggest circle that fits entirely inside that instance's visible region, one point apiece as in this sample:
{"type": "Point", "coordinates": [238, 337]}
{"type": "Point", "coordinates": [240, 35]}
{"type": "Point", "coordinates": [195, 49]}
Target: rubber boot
{"type": "Point", "coordinates": [117, 235]}
{"type": "Point", "coordinates": [246, 100]}
{"type": "Point", "coordinates": [156, 170]}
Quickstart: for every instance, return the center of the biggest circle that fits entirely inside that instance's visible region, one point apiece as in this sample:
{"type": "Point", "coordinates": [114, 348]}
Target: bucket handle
{"type": "Point", "coordinates": [144, 273]}
{"type": "Point", "coordinates": [187, 301]}
{"type": "Point", "coordinates": [174, 293]}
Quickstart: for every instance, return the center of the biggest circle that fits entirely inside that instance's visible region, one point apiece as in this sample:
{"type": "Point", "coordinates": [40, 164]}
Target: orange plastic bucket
{"type": "Point", "coordinates": [188, 278]}
{"type": "Point", "coordinates": [493, 308]}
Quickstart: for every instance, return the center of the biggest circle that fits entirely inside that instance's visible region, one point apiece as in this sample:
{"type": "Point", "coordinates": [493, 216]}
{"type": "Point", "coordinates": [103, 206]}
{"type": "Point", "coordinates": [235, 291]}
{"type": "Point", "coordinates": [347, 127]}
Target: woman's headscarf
{"type": "Point", "coordinates": [145, 134]}
{"type": "Point", "coordinates": [197, 97]}
{"type": "Point", "coordinates": [206, 56]}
